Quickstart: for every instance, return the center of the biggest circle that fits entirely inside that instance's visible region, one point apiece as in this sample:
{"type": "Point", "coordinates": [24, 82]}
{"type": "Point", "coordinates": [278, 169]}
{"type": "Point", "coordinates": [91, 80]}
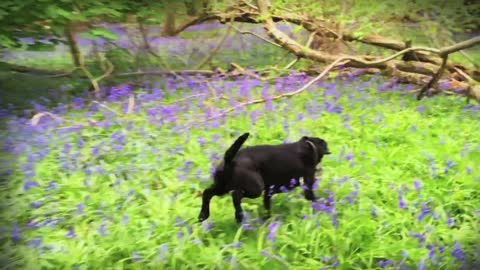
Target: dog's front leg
{"type": "Point", "coordinates": [267, 199]}
{"type": "Point", "coordinates": [308, 189]}
{"type": "Point", "coordinates": [237, 196]}
{"type": "Point", "coordinates": [206, 197]}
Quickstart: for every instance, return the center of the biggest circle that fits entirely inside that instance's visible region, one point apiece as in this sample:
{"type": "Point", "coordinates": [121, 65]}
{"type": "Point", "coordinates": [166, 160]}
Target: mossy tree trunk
{"type": "Point", "coordinates": [72, 44]}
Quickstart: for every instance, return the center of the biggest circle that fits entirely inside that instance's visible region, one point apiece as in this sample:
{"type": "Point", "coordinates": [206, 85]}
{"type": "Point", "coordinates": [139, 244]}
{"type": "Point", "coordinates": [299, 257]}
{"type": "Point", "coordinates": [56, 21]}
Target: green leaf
{"type": "Point", "coordinates": [41, 47]}
{"type": "Point", "coordinates": [99, 32]}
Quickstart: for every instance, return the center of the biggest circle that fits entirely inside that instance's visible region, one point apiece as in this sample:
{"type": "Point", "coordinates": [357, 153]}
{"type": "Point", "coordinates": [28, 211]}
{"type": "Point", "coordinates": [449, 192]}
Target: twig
{"type": "Point", "coordinates": [244, 71]}
{"type": "Point", "coordinates": [186, 98]}
{"type": "Point", "coordinates": [309, 41]}
{"type": "Point", "coordinates": [215, 50]}
{"type": "Point", "coordinates": [37, 117]}
{"type": "Point", "coordinates": [131, 104]}
{"type": "Point", "coordinates": [66, 74]}
{"type": "Point", "coordinates": [94, 81]}
{"type": "Point", "coordinates": [165, 72]}
{"type": "Point", "coordinates": [434, 78]}
{"type": "Point", "coordinates": [105, 106]}
{"type": "Point", "coordinates": [250, 4]}
{"type": "Point", "coordinates": [459, 46]}
{"type": "Point", "coordinates": [257, 35]}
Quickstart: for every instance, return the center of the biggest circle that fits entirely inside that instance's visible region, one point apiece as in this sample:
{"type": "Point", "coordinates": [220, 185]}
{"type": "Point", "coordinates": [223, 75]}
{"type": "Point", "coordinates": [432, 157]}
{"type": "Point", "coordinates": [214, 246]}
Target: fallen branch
{"type": "Point", "coordinates": [434, 79]}
{"type": "Point", "coordinates": [244, 71]}
{"type": "Point", "coordinates": [309, 42]}
{"type": "Point", "coordinates": [165, 72]}
{"type": "Point", "coordinates": [104, 106]}
{"type": "Point", "coordinates": [37, 117]}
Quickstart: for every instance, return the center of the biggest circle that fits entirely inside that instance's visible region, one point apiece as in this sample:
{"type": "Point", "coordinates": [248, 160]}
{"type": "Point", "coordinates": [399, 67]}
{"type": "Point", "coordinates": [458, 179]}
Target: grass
{"type": "Point", "coordinates": [402, 182]}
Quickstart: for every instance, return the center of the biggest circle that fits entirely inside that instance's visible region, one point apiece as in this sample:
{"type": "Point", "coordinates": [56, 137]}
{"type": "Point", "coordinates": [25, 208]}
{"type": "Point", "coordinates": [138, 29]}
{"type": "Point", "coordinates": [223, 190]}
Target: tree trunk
{"type": "Point", "coordinates": [72, 43]}
{"type": "Point", "coordinates": [193, 7]}
{"type": "Point", "coordinates": [169, 25]}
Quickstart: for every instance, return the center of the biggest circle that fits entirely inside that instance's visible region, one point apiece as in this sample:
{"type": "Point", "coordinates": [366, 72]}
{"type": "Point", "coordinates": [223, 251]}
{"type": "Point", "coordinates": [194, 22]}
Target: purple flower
{"type": "Point", "coordinates": [207, 226]}
{"type": "Point", "coordinates": [15, 236]}
{"type": "Point", "coordinates": [265, 253]}
{"type": "Point", "coordinates": [32, 224]}
{"type": "Point", "coordinates": [70, 234]}
{"type": "Point", "coordinates": [35, 242]}
{"type": "Point", "coordinates": [421, 265]}
{"type": "Point", "coordinates": [29, 185]}
{"type": "Point", "coordinates": [52, 185]}
{"type": "Point", "coordinates": [102, 230]}
{"type": "Point", "coordinates": [284, 189]}
{"type": "Point", "coordinates": [431, 251]}
{"type": "Point", "coordinates": [450, 222]}
{"type": "Point", "coordinates": [384, 263]}
{"type": "Point", "coordinates": [373, 211]}
{"type": "Point", "coordinates": [247, 227]}
{"type": "Point", "coordinates": [80, 208]}
{"type": "Point", "coordinates": [162, 252]}
{"type": "Point", "coordinates": [179, 222]}
{"type": "Point", "coordinates": [420, 238]}
{"type": "Point", "coordinates": [417, 184]}
{"type": "Point", "coordinates": [272, 228]}
{"type": "Point", "coordinates": [136, 257]}
{"type": "Point", "coordinates": [349, 157]}
{"type": "Point", "coordinates": [449, 165]}
{"type": "Point", "coordinates": [293, 182]}
{"type": "Point", "coordinates": [457, 252]}
{"type": "Point", "coordinates": [401, 202]}
{"type": "Point", "coordinates": [420, 109]}
{"type": "Point", "coordinates": [334, 220]}
{"type": "Point", "coordinates": [424, 212]}
{"type": "Point", "coordinates": [124, 219]}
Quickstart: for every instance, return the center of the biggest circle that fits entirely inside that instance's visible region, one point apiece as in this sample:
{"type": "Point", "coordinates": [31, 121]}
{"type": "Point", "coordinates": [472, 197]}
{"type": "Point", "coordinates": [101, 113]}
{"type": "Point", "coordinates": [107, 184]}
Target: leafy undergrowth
{"type": "Point", "coordinates": [401, 189]}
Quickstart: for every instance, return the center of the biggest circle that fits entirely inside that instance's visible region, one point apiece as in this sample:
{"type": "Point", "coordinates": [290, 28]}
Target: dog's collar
{"type": "Point", "coordinates": [315, 152]}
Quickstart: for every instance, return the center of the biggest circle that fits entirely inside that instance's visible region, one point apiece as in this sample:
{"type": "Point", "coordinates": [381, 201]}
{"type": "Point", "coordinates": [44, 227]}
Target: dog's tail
{"type": "Point", "coordinates": [232, 151]}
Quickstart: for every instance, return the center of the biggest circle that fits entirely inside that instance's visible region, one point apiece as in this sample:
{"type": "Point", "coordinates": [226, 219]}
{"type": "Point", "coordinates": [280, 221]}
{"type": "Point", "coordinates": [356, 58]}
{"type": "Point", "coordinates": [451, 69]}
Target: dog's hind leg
{"type": "Point", "coordinates": [206, 198]}
{"type": "Point", "coordinates": [248, 185]}
{"type": "Point", "coordinates": [308, 190]}
{"type": "Point", "coordinates": [237, 196]}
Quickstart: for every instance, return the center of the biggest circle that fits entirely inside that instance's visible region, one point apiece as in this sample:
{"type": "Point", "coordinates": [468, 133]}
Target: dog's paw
{"type": "Point", "coordinates": [202, 216]}
{"type": "Point", "coordinates": [239, 217]}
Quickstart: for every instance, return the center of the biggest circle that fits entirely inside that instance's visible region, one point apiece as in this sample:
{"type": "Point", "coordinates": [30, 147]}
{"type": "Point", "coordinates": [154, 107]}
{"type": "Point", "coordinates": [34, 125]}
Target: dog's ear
{"type": "Point", "coordinates": [304, 138]}
{"type": "Point", "coordinates": [324, 147]}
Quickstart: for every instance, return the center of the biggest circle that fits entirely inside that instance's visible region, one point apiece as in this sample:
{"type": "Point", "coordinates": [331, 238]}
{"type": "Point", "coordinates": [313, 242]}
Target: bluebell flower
{"type": "Point", "coordinates": [457, 252]}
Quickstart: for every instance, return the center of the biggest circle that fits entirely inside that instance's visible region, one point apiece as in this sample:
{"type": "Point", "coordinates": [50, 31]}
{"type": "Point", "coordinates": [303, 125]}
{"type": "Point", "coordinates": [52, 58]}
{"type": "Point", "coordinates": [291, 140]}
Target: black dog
{"type": "Point", "coordinates": [270, 169]}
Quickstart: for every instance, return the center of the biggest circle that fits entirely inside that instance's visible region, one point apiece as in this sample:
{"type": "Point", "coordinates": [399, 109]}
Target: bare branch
{"type": "Point", "coordinates": [131, 104]}
{"type": "Point", "coordinates": [309, 42]}
{"type": "Point", "coordinates": [37, 117]}
{"type": "Point", "coordinates": [459, 46]}
{"type": "Point", "coordinates": [249, 4]}
{"type": "Point", "coordinates": [434, 78]}
{"type": "Point", "coordinates": [165, 72]}
{"type": "Point", "coordinates": [256, 35]}
{"type": "Point", "coordinates": [215, 50]}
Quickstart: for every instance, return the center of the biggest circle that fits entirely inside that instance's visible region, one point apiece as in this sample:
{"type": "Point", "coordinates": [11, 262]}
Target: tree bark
{"type": "Point", "coordinates": [169, 25]}
{"type": "Point", "coordinates": [72, 44]}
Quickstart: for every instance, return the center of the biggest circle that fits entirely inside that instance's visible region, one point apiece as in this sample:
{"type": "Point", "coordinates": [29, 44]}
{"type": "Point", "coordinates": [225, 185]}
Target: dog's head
{"type": "Point", "coordinates": [320, 145]}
